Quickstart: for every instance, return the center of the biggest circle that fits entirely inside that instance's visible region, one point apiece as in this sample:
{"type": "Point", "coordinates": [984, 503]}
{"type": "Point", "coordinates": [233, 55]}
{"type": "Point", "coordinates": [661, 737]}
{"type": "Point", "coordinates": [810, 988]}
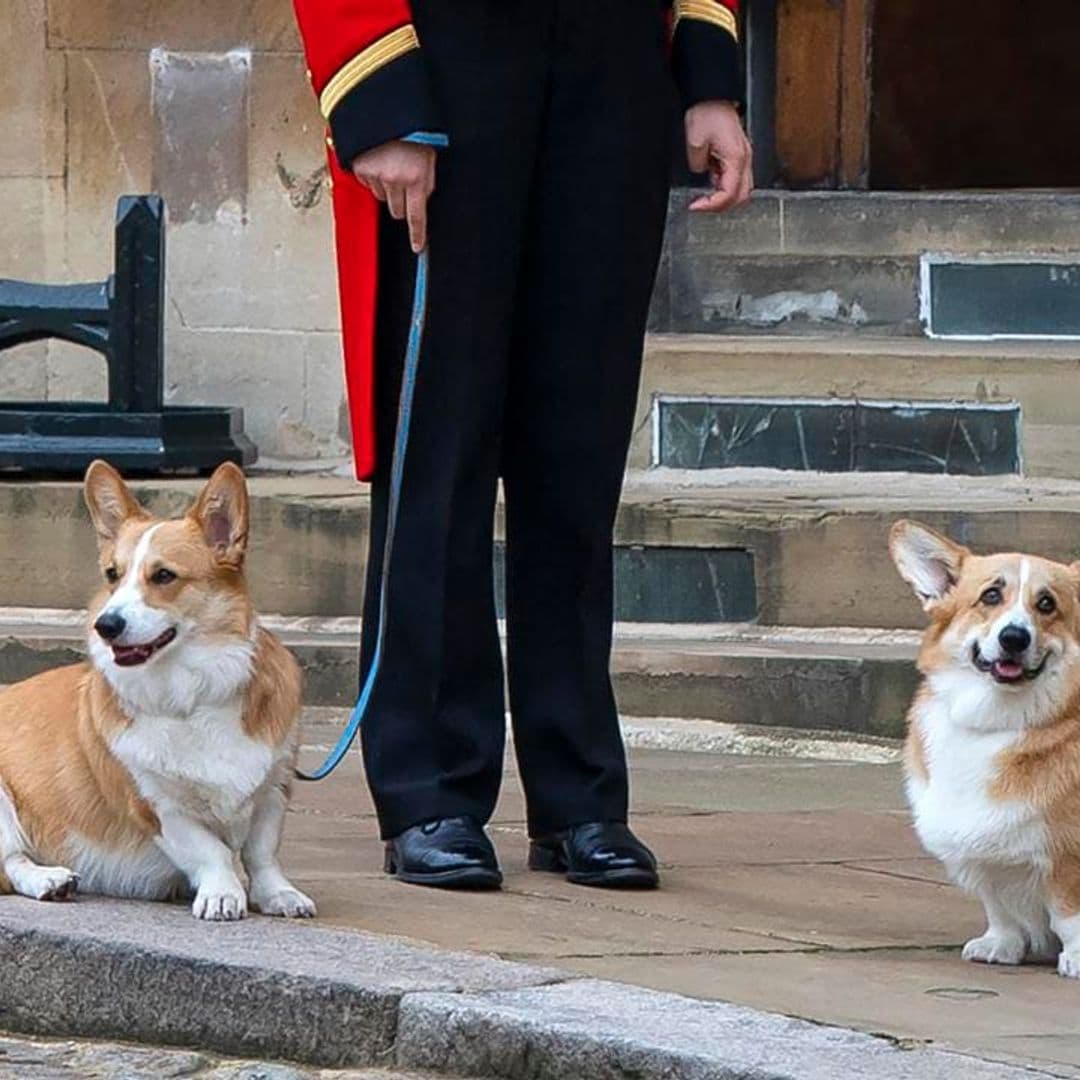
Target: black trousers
{"type": "Point", "coordinates": [545, 231]}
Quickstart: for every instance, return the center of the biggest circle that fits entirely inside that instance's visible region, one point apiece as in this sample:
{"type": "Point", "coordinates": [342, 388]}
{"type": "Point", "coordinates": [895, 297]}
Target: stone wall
{"type": "Point", "coordinates": [206, 103]}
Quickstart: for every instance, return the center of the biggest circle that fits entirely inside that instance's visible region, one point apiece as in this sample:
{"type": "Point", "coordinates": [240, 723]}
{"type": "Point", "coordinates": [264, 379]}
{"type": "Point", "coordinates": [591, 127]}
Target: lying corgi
{"type": "Point", "coordinates": [147, 770]}
{"type": "Point", "coordinates": [993, 751]}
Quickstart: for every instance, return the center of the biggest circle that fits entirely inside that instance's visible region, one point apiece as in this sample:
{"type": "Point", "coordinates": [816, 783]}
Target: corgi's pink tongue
{"type": "Point", "coordinates": [1008, 670]}
{"type": "Point", "coordinates": [130, 655]}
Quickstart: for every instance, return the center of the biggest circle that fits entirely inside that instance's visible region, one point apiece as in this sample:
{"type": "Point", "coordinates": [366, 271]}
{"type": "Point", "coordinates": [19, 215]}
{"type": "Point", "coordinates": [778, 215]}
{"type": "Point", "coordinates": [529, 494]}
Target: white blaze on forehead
{"type": "Point", "coordinates": [1019, 612]}
{"type": "Point", "coordinates": [142, 551]}
{"type": "Point", "coordinates": [1016, 615]}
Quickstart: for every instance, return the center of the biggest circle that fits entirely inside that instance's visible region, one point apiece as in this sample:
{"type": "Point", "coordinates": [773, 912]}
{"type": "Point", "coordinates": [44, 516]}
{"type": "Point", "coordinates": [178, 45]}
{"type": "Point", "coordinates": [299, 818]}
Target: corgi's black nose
{"type": "Point", "coordinates": [110, 625]}
{"type": "Point", "coordinates": [1014, 639]}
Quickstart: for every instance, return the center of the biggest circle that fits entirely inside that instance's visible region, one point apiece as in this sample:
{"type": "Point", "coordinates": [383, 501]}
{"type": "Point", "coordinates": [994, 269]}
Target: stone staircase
{"type": "Point", "coordinates": [825, 631]}
{"type": "Point", "coordinates": [790, 411]}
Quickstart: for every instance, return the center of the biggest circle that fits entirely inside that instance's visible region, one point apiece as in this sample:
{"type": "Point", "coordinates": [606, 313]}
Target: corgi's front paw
{"type": "Point", "coordinates": [289, 903]}
{"type": "Point", "coordinates": [996, 949]}
{"type": "Point", "coordinates": [220, 901]}
{"type": "Point", "coordinates": [1069, 963]}
{"type": "Point", "coordinates": [46, 882]}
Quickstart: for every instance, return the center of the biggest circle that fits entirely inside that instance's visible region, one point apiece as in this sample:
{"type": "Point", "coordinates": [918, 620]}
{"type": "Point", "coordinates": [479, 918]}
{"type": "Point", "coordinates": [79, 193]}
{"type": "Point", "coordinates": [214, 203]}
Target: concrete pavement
{"type": "Point", "coordinates": [792, 886]}
{"type": "Point", "coordinates": [799, 934]}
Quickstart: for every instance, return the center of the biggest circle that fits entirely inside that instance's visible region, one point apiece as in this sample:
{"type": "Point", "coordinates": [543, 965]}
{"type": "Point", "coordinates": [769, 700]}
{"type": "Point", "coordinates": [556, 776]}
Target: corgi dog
{"type": "Point", "coordinates": [163, 762]}
{"type": "Point", "coordinates": [993, 749]}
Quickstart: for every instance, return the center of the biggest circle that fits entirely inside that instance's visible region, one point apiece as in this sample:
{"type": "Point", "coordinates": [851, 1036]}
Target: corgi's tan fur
{"type": "Point", "coordinates": [993, 748]}
{"type": "Point", "coordinates": [155, 767]}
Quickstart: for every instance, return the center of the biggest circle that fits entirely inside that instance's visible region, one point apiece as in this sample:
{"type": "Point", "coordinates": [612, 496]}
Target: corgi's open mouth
{"type": "Point", "coordinates": [1005, 671]}
{"type": "Point", "coordinates": [133, 655]}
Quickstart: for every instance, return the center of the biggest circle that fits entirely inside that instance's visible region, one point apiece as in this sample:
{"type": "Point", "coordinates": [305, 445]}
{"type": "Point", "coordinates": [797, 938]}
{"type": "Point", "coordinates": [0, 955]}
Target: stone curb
{"type": "Point", "coordinates": [259, 988]}
{"type": "Point", "coordinates": [263, 988]}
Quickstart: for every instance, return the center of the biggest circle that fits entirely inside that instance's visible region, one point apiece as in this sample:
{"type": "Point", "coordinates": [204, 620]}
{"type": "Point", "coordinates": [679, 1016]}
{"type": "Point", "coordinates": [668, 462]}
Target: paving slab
{"type": "Point", "coordinates": [910, 994]}
{"type": "Point", "coordinates": [789, 885]}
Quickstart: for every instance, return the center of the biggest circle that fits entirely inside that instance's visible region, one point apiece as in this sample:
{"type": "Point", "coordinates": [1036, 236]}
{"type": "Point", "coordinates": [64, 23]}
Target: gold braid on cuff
{"type": "Point", "coordinates": [710, 11]}
{"type": "Point", "coordinates": [366, 63]}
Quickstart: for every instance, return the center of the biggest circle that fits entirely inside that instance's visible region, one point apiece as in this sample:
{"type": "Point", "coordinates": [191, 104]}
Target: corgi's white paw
{"type": "Point", "coordinates": [996, 949]}
{"type": "Point", "coordinates": [220, 902]}
{"type": "Point", "coordinates": [1069, 964]}
{"type": "Point", "coordinates": [289, 903]}
{"type": "Point", "coordinates": [45, 882]}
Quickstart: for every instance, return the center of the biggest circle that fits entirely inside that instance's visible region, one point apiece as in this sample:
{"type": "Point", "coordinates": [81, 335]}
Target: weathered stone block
{"type": "Point", "coordinates": [200, 105]}
{"type": "Point", "coordinates": [22, 227]}
{"type": "Point", "coordinates": [267, 374]}
{"type": "Point", "coordinates": [892, 224]}
{"type": "Point", "coordinates": [274, 269]}
{"type": "Point", "coordinates": [75, 374]}
{"type": "Point", "coordinates": [23, 372]}
{"type": "Point", "coordinates": [109, 151]}
{"type": "Point", "coordinates": [145, 24]}
{"type": "Point", "coordinates": [179, 24]}
{"type": "Point", "coordinates": [24, 88]}
{"type": "Point", "coordinates": [714, 293]}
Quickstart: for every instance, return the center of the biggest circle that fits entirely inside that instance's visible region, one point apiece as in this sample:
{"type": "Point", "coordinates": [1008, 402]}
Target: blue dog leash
{"type": "Point", "coordinates": [397, 473]}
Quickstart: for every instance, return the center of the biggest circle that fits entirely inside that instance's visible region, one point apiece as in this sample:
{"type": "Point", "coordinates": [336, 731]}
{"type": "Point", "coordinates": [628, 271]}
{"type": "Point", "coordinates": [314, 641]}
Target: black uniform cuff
{"type": "Point", "coordinates": [707, 63]}
{"type": "Point", "coordinates": [392, 102]}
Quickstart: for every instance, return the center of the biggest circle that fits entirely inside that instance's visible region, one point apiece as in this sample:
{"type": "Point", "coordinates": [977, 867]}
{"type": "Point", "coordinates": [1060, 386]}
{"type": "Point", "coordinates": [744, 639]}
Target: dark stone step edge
{"type": "Point", "coordinates": [865, 696]}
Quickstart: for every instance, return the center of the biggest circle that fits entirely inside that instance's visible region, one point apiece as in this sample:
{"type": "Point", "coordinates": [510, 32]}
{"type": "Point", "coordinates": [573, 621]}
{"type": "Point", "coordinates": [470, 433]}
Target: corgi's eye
{"type": "Point", "coordinates": [112, 575]}
{"type": "Point", "coordinates": [991, 597]}
{"type": "Point", "coordinates": [1047, 604]}
{"type": "Point", "coordinates": [163, 577]}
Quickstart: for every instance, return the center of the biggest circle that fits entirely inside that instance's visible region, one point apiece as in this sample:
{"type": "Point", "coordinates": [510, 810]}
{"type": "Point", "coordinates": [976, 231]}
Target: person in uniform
{"type": "Point", "coordinates": [543, 217]}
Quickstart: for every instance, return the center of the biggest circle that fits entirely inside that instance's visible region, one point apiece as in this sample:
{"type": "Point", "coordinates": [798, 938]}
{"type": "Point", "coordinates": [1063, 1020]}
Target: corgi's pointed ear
{"type": "Point", "coordinates": [929, 562]}
{"type": "Point", "coordinates": [221, 512]}
{"type": "Point", "coordinates": [109, 501]}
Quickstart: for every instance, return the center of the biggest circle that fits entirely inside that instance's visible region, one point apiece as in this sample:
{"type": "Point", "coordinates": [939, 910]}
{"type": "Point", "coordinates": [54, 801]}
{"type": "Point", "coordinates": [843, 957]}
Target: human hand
{"type": "Point", "coordinates": [402, 175]}
{"type": "Point", "coordinates": [717, 144]}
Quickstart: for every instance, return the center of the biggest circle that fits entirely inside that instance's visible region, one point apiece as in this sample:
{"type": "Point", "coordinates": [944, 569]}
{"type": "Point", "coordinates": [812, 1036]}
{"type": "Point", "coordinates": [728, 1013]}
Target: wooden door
{"type": "Point", "coordinates": [822, 92]}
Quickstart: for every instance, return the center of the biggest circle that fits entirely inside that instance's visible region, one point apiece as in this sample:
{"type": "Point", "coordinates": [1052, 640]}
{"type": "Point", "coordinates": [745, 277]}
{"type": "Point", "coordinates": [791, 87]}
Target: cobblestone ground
{"type": "Point", "coordinates": [40, 1059]}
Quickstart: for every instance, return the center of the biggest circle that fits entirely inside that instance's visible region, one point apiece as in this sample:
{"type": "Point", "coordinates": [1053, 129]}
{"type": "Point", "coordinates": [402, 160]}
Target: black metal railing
{"type": "Point", "coordinates": [122, 318]}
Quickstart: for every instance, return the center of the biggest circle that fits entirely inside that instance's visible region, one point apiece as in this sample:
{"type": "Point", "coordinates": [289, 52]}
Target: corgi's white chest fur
{"type": "Point", "coordinates": [203, 764]}
{"type": "Point", "coordinates": [957, 816]}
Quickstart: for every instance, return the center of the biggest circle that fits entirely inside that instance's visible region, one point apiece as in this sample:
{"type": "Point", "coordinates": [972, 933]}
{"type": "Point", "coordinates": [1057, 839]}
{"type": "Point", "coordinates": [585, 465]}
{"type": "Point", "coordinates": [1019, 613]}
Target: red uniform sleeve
{"type": "Point", "coordinates": [705, 51]}
{"type": "Point", "coordinates": [366, 65]}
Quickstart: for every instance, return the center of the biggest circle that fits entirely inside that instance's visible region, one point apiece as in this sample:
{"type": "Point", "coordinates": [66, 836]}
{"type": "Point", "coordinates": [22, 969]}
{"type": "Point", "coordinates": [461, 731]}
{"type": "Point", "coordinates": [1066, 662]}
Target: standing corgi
{"type": "Point", "coordinates": [993, 751]}
{"type": "Point", "coordinates": [146, 771]}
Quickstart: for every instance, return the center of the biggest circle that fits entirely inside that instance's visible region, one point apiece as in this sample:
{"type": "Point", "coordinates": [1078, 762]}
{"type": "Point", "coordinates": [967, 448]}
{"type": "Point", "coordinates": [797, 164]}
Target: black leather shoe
{"type": "Point", "coordinates": [449, 853]}
{"type": "Point", "coordinates": [601, 853]}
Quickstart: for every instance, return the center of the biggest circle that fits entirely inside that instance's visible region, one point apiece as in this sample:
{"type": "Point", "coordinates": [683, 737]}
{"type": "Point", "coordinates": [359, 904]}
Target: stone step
{"type": "Point", "coordinates": [695, 547]}
{"type": "Point", "coordinates": [857, 681]}
{"type": "Point", "coordinates": [684, 373]}
{"type": "Point", "coordinates": [845, 262]}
